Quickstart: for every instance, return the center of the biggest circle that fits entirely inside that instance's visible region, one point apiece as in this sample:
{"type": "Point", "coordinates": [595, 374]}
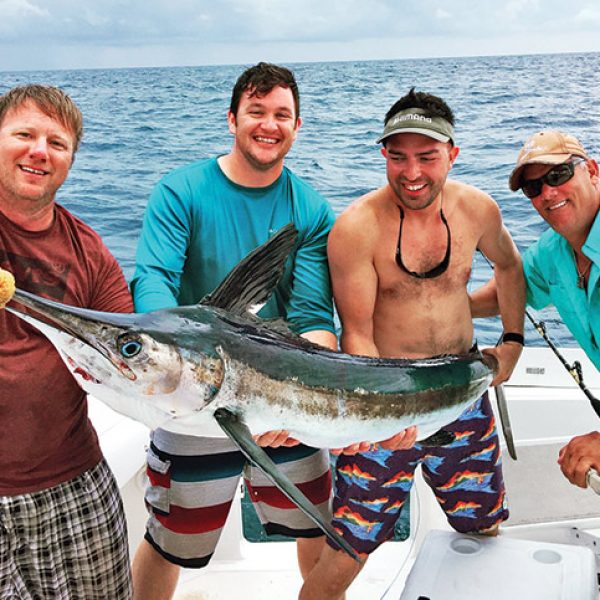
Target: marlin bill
{"type": "Point", "coordinates": [174, 368]}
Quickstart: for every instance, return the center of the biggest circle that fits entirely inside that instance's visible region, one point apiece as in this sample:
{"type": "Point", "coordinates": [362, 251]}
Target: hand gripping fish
{"type": "Point", "coordinates": [214, 367]}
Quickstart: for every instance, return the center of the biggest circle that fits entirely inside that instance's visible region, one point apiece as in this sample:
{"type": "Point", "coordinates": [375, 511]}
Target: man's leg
{"type": "Point", "coordinates": [154, 577]}
{"type": "Point", "coordinates": [466, 475]}
{"type": "Point", "coordinates": [76, 541]}
{"type": "Point", "coordinates": [331, 576]}
{"type": "Point", "coordinates": [371, 488]}
{"type": "Point", "coordinates": [309, 550]}
{"type": "Point", "coordinates": [192, 482]}
{"type": "Point", "coordinates": [309, 469]}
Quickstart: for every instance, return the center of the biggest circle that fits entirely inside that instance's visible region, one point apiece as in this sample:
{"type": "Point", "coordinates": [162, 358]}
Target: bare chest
{"type": "Point", "coordinates": [419, 265]}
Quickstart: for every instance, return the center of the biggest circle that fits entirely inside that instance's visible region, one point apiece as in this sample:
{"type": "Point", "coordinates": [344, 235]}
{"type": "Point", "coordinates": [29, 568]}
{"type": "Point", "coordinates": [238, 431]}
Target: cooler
{"type": "Point", "coordinates": [453, 566]}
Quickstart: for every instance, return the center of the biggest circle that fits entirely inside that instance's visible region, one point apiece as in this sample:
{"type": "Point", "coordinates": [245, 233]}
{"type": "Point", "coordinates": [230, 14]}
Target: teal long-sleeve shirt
{"type": "Point", "coordinates": [199, 224]}
{"type": "Point", "coordinates": [551, 275]}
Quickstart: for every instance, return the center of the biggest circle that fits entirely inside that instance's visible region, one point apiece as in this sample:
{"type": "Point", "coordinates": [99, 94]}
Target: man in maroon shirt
{"type": "Point", "coordinates": [62, 527]}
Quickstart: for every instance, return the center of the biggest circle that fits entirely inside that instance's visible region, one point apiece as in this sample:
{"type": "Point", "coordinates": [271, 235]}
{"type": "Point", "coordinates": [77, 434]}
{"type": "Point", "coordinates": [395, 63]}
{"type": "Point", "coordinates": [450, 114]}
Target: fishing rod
{"type": "Point", "coordinates": [575, 369]}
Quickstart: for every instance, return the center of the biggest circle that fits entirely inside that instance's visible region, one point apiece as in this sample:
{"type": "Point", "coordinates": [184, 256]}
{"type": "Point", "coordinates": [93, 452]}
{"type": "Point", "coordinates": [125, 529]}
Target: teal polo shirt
{"type": "Point", "coordinates": [551, 276]}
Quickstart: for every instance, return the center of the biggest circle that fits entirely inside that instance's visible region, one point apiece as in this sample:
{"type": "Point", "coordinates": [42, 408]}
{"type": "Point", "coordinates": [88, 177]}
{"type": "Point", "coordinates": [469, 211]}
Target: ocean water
{"type": "Point", "coordinates": [141, 123]}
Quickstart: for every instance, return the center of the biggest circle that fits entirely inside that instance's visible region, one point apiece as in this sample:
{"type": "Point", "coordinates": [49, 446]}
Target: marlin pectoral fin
{"type": "Point", "coordinates": [252, 280]}
{"type": "Point", "coordinates": [241, 436]}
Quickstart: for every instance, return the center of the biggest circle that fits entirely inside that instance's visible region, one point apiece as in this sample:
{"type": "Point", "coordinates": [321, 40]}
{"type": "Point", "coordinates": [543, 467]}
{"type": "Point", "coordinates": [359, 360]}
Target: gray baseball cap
{"type": "Point", "coordinates": [415, 120]}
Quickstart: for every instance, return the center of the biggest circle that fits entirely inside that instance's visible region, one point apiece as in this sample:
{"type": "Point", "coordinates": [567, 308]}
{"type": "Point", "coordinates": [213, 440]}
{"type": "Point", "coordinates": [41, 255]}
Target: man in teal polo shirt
{"type": "Point", "coordinates": [563, 267]}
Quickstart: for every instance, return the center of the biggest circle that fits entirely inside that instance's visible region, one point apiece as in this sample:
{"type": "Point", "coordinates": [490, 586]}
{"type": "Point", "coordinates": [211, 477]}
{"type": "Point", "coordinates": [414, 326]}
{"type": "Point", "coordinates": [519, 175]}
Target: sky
{"type": "Point", "coordinates": [66, 34]}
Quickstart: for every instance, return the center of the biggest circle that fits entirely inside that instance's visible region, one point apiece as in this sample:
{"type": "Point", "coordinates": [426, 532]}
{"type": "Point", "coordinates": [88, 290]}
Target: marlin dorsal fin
{"type": "Point", "coordinates": [252, 280]}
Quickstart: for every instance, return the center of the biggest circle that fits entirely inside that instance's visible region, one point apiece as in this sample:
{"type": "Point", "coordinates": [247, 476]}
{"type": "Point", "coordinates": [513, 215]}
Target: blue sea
{"type": "Point", "coordinates": [141, 123]}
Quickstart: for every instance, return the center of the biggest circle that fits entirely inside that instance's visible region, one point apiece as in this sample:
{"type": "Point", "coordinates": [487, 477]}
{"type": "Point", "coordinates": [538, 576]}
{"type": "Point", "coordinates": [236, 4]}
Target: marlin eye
{"type": "Point", "coordinates": [130, 348]}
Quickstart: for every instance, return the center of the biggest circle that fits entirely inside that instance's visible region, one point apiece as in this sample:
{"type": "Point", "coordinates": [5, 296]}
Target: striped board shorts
{"type": "Point", "coordinates": [192, 483]}
{"type": "Point", "coordinates": [66, 542]}
{"type": "Point", "coordinates": [465, 476]}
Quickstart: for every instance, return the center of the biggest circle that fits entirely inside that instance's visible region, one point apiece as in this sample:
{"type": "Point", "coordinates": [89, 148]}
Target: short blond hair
{"type": "Point", "coordinates": [50, 100]}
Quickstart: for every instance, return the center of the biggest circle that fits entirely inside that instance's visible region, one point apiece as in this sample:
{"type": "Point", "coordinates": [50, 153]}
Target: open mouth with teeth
{"type": "Point", "coordinates": [32, 170]}
{"type": "Point", "coordinates": [265, 140]}
{"type": "Point", "coordinates": [558, 205]}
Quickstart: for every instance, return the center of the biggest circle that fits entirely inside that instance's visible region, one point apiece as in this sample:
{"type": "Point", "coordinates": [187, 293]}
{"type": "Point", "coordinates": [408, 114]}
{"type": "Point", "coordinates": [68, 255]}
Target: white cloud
{"type": "Point", "coordinates": [20, 18]}
{"type": "Point", "coordinates": [51, 33]}
{"type": "Point", "coordinates": [15, 12]}
{"type": "Point", "coordinates": [20, 9]}
{"type": "Point", "coordinates": [589, 17]}
{"type": "Point", "coordinates": [514, 9]}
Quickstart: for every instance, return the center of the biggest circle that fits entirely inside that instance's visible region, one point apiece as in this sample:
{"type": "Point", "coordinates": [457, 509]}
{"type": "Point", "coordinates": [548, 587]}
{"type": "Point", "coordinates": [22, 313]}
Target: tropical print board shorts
{"type": "Point", "coordinates": [466, 477]}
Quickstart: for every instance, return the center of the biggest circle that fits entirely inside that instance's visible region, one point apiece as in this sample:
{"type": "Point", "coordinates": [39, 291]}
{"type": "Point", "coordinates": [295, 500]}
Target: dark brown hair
{"type": "Point", "coordinates": [259, 80]}
{"type": "Point", "coordinates": [432, 105]}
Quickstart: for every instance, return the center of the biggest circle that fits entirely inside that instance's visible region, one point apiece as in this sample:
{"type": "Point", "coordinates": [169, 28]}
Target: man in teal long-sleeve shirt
{"type": "Point", "coordinates": [201, 220]}
{"type": "Point", "coordinates": [563, 267]}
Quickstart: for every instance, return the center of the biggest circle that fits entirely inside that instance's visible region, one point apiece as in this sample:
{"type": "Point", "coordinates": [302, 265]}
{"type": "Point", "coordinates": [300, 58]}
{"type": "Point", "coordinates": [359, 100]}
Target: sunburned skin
{"type": "Point", "coordinates": [7, 287]}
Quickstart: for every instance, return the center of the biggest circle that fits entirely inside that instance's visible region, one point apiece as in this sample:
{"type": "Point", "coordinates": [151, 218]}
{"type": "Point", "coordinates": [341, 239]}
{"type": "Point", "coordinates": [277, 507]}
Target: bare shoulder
{"type": "Point", "coordinates": [471, 201]}
{"type": "Point", "coordinates": [361, 216]}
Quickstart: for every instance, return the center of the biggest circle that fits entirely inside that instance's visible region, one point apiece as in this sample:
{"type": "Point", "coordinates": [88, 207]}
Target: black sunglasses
{"type": "Point", "coordinates": [554, 177]}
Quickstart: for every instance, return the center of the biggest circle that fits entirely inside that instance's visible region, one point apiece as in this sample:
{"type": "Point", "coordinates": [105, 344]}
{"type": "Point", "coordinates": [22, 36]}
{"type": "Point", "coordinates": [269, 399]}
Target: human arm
{"type": "Point", "coordinates": [509, 284]}
{"type": "Point", "coordinates": [322, 337]}
{"type": "Point", "coordinates": [580, 455]}
{"type": "Point", "coordinates": [354, 282]}
{"type": "Point", "coordinates": [484, 300]}
{"type": "Point", "coordinates": [161, 251]}
{"type": "Point", "coordinates": [108, 289]}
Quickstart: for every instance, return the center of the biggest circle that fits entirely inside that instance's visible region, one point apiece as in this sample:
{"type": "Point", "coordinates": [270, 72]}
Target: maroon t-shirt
{"type": "Point", "coordinates": [46, 437]}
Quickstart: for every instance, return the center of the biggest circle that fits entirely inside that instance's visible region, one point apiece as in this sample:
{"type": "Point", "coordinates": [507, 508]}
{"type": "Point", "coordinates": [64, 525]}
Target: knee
{"type": "Point", "coordinates": [332, 576]}
{"type": "Point", "coordinates": [147, 558]}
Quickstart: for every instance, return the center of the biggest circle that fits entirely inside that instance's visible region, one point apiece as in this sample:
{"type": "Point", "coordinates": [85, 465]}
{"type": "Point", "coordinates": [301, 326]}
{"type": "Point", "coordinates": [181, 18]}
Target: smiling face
{"type": "Point", "coordinates": [265, 128]}
{"type": "Point", "coordinates": [569, 208]}
{"type": "Point", "coordinates": [417, 168]}
{"type": "Point", "coordinates": [36, 153]}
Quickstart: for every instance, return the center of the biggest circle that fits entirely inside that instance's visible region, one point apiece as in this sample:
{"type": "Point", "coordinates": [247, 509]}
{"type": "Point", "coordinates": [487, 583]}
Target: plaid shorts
{"type": "Point", "coordinates": [193, 481]}
{"type": "Point", "coordinates": [66, 542]}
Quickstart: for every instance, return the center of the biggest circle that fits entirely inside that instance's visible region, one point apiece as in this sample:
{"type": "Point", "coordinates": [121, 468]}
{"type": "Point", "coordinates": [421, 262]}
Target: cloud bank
{"type": "Point", "coordinates": [36, 34]}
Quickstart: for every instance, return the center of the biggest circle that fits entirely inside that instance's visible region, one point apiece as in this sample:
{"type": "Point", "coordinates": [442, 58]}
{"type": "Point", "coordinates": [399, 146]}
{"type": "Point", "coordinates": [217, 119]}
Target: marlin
{"type": "Point", "coordinates": [215, 369]}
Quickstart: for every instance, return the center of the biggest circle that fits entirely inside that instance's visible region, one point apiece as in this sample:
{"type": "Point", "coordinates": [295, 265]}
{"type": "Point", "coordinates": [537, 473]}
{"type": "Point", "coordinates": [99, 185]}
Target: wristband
{"type": "Point", "coordinates": [513, 337]}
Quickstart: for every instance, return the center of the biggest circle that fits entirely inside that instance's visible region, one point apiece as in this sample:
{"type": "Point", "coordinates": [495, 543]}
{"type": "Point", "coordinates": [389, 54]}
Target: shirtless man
{"type": "Point", "coordinates": [400, 259]}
